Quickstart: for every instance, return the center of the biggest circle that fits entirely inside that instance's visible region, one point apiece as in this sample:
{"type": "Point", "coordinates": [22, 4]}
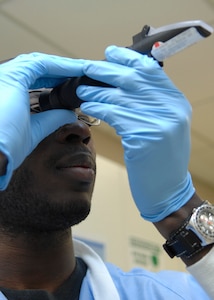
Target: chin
{"type": "Point", "coordinates": [44, 216]}
{"type": "Point", "coordinates": [64, 219]}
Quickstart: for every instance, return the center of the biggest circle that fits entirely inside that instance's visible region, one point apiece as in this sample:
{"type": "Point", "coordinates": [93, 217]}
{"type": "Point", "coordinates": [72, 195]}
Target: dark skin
{"type": "Point", "coordinates": [43, 258]}
{"type": "Point", "coordinates": [175, 220]}
{"type": "Point", "coordinates": [36, 251]}
{"type": "Point", "coordinates": [31, 266]}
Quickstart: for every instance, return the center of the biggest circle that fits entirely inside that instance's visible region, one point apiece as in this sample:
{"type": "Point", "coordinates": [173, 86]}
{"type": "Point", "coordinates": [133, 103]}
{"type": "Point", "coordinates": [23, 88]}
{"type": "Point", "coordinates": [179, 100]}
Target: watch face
{"type": "Point", "coordinates": [204, 221]}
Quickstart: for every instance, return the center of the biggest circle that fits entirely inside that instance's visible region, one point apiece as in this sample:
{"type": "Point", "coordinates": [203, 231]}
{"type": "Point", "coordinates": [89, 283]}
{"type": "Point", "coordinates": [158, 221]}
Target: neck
{"type": "Point", "coordinates": [39, 261]}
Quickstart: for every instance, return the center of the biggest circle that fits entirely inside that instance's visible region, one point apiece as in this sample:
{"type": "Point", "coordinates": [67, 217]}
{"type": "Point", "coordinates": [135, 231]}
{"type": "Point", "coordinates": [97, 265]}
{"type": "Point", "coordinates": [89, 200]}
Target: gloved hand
{"type": "Point", "coordinates": [153, 118]}
{"type": "Point", "coordinates": [20, 132]}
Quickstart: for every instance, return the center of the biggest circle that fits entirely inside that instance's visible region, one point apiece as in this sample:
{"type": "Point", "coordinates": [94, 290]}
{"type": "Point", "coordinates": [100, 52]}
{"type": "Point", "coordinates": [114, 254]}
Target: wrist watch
{"type": "Point", "coordinates": [196, 233]}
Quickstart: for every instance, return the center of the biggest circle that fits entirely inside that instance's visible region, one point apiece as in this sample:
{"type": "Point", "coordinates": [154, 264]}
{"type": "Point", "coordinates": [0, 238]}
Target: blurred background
{"type": "Point", "coordinates": [83, 29]}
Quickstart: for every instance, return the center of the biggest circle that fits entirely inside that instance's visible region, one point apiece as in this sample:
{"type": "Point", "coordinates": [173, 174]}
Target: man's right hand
{"type": "Point", "coordinates": [21, 132]}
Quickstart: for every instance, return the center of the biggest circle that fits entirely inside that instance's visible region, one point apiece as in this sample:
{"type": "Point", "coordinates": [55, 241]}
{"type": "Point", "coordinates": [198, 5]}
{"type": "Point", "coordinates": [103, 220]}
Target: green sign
{"type": "Point", "coordinates": [144, 253]}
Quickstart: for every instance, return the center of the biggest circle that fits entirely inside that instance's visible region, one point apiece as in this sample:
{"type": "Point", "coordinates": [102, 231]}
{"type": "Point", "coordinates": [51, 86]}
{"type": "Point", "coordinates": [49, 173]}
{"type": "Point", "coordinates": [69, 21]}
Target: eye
{"type": "Point", "coordinates": [35, 108]}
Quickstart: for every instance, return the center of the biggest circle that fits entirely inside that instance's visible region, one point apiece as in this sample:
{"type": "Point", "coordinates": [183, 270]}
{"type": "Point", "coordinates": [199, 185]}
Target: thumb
{"type": "Point", "coordinates": [44, 123]}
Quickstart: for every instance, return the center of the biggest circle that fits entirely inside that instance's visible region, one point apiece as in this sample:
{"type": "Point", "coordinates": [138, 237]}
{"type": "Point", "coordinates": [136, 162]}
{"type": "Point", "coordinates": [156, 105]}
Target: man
{"type": "Point", "coordinates": [48, 172]}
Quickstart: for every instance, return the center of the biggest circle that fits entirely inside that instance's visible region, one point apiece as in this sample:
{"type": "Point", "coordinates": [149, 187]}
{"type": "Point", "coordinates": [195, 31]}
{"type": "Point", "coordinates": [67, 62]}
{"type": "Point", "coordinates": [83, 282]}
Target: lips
{"type": "Point", "coordinates": [79, 167]}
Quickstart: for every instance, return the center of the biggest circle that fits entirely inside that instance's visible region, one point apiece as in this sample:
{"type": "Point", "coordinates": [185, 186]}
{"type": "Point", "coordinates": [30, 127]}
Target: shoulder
{"type": "Point", "coordinates": [143, 284]}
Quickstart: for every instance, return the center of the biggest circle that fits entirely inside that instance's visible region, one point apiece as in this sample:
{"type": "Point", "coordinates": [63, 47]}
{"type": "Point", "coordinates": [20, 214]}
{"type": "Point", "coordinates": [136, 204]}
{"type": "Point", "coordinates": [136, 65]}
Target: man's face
{"type": "Point", "coordinates": [53, 187]}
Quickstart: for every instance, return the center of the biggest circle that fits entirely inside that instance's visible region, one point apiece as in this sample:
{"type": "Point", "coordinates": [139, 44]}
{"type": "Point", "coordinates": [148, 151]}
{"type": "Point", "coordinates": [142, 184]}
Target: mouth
{"type": "Point", "coordinates": [79, 167]}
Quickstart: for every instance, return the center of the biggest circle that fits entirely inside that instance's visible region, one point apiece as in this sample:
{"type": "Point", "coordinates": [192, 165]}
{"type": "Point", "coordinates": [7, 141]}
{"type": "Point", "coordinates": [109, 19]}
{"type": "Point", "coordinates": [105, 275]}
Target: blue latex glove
{"type": "Point", "coordinates": [20, 132]}
{"type": "Point", "coordinates": [153, 118]}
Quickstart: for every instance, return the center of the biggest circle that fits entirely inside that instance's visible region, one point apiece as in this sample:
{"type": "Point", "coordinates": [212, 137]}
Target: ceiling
{"type": "Point", "coordinates": [83, 28]}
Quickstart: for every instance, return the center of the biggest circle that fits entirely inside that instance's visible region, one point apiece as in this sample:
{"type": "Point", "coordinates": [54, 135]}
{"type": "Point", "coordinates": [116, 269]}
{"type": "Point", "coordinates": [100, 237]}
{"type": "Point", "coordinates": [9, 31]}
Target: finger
{"type": "Point", "coordinates": [45, 123]}
{"type": "Point", "coordinates": [99, 94]}
{"type": "Point", "coordinates": [114, 74]}
{"type": "Point", "coordinates": [98, 110]}
{"type": "Point", "coordinates": [130, 58]}
{"type": "Point", "coordinates": [56, 66]}
{"type": "Point", "coordinates": [45, 82]}
{"type": "Point", "coordinates": [121, 119]}
{"type": "Point", "coordinates": [36, 65]}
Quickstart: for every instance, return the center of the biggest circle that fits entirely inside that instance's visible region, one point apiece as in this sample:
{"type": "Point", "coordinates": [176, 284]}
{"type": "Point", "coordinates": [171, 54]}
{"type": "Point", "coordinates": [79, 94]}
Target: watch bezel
{"type": "Point", "coordinates": [195, 223]}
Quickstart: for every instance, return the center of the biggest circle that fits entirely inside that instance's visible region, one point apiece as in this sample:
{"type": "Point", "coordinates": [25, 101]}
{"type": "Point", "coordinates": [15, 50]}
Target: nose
{"type": "Point", "coordinates": [74, 132]}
